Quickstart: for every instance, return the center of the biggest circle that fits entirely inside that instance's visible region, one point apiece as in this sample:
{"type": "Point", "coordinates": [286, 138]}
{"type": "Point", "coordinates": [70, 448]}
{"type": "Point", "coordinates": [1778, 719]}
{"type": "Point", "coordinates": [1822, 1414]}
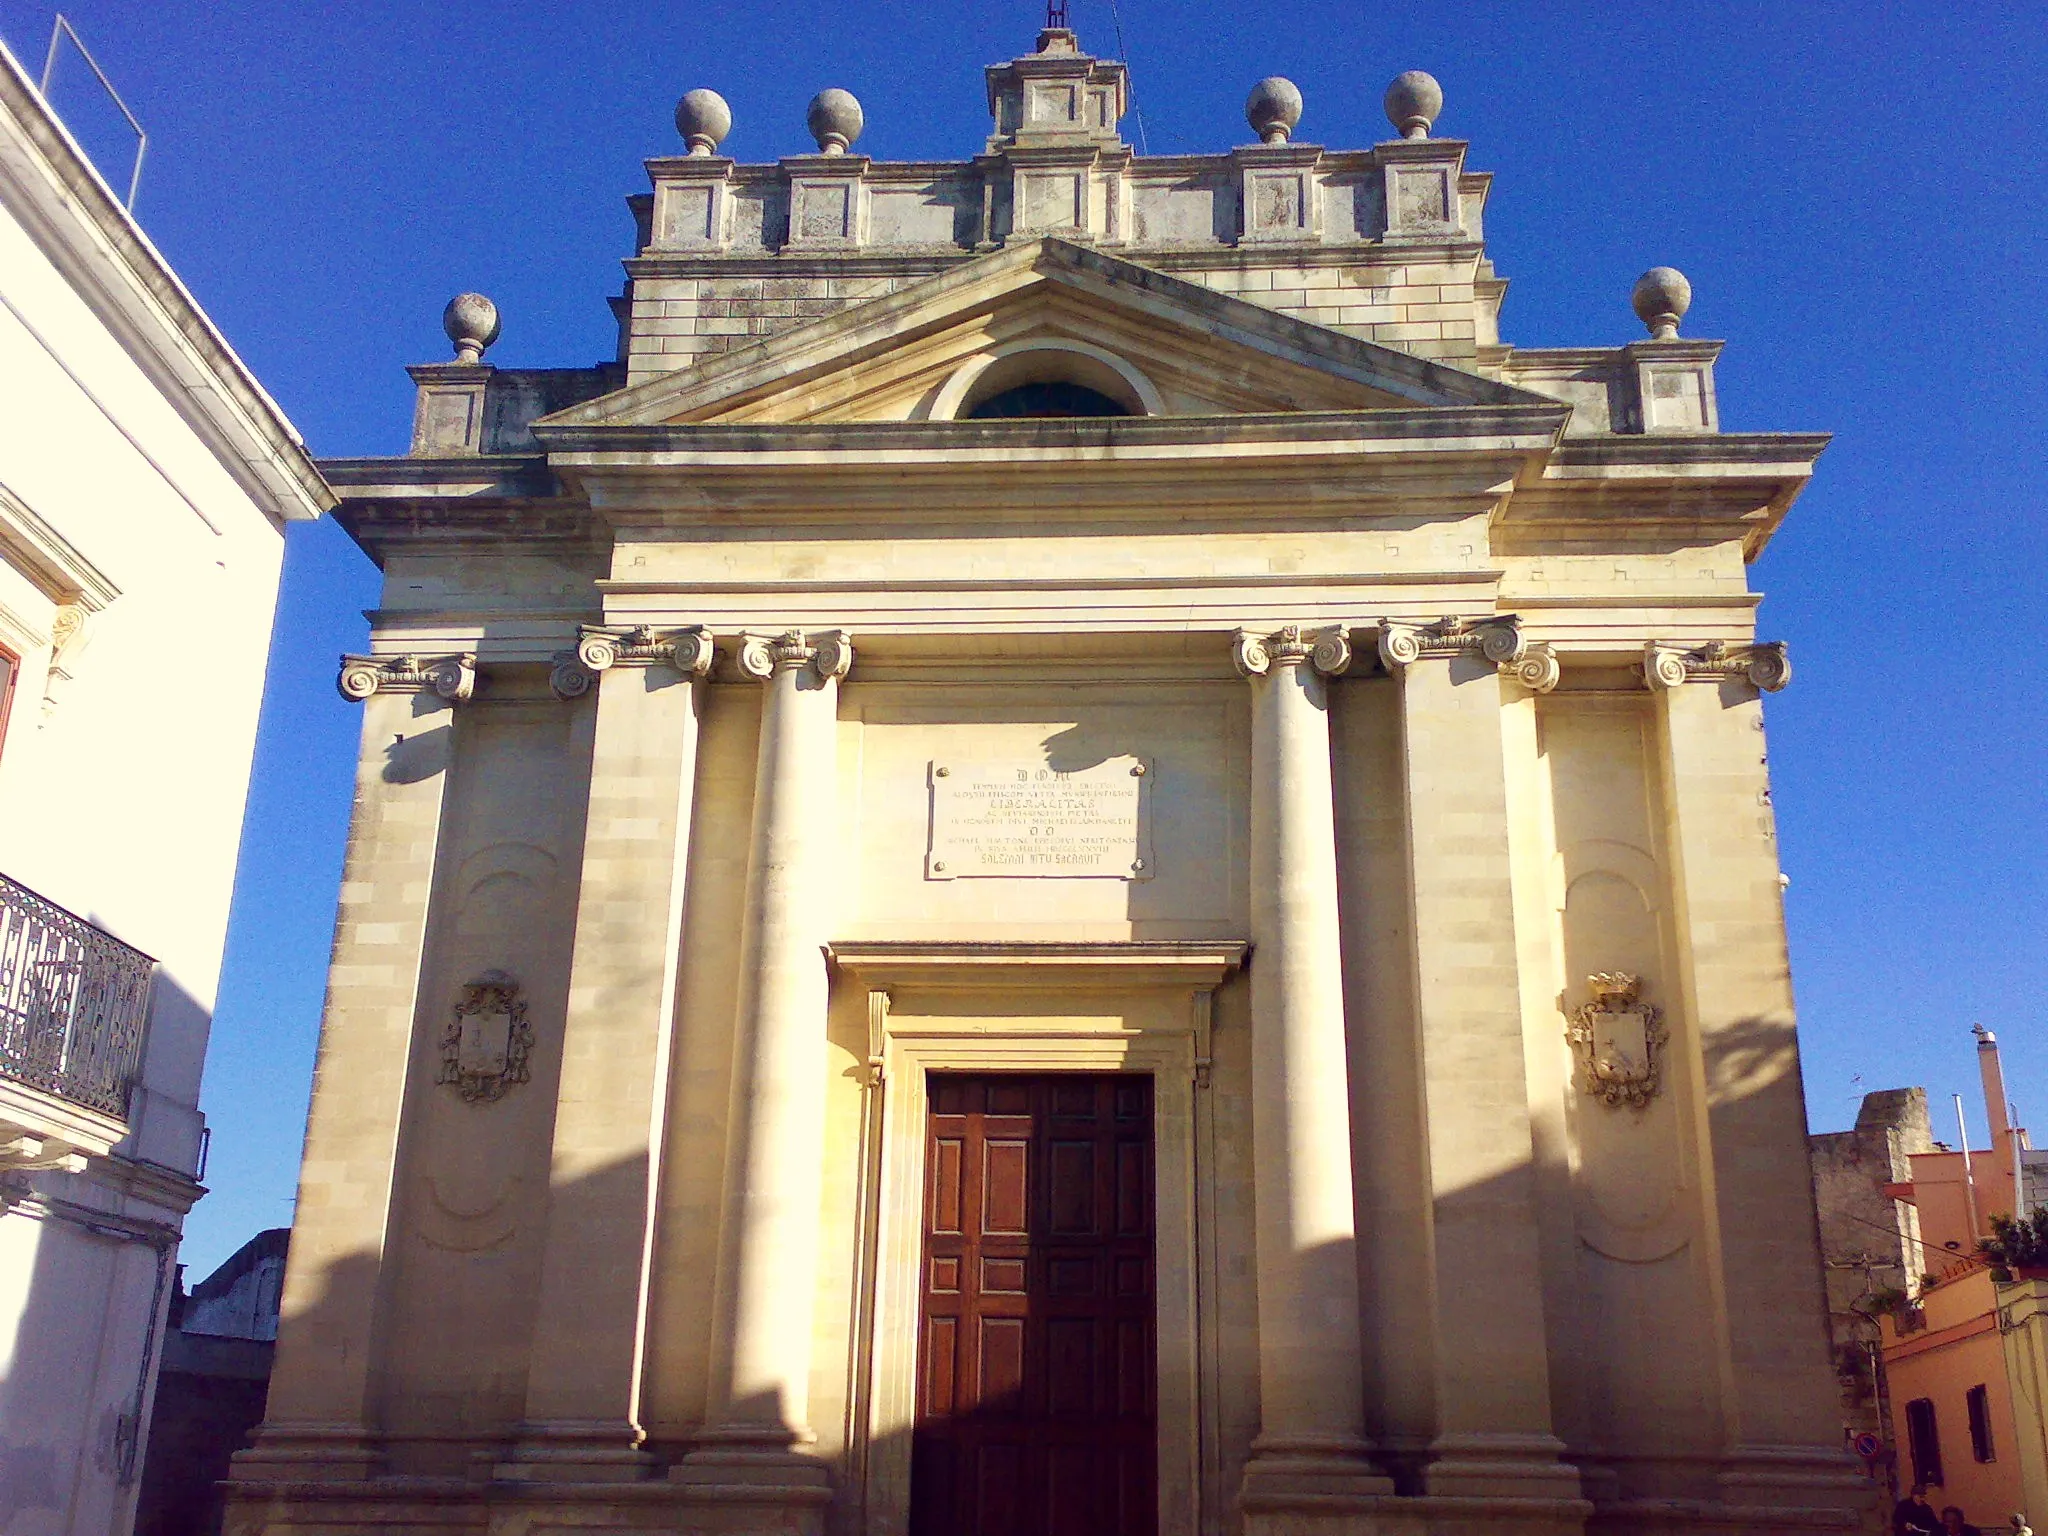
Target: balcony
{"type": "Point", "coordinates": [74, 1016]}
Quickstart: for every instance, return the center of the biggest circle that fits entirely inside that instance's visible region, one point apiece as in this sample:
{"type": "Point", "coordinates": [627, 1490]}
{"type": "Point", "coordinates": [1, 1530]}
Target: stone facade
{"type": "Point", "coordinates": [1347, 723]}
{"type": "Point", "coordinates": [1870, 1238]}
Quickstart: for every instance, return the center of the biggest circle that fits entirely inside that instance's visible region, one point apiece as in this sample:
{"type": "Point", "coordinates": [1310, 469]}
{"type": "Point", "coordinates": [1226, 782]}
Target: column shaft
{"type": "Point", "coordinates": [320, 1422]}
{"type": "Point", "coordinates": [1738, 990]}
{"type": "Point", "coordinates": [582, 1398]}
{"type": "Point", "coordinates": [1494, 1433]}
{"type": "Point", "coordinates": [1311, 1391]}
{"type": "Point", "coordinates": [774, 1171]}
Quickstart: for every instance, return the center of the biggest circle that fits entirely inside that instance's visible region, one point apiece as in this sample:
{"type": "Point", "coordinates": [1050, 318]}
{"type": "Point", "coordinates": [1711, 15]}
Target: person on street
{"type": "Point", "coordinates": [1913, 1515]}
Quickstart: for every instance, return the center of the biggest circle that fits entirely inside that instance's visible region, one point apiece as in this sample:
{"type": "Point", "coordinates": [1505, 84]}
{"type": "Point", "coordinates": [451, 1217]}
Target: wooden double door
{"type": "Point", "coordinates": [1037, 1408]}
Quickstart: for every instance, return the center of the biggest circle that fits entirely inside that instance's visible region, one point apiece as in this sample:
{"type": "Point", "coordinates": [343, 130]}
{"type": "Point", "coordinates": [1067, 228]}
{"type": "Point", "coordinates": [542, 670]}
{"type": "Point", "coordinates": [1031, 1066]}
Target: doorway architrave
{"type": "Point", "coordinates": [1135, 1006]}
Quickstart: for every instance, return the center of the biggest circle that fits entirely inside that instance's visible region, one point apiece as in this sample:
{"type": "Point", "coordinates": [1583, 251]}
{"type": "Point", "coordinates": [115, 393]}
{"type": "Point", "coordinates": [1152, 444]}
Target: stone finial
{"type": "Point", "coordinates": [835, 120]}
{"type": "Point", "coordinates": [703, 119]}
{"type": "Point", "coordinates": [471, 321]}
{"type": "Point", "coordinates": [1413, 102]}
{"type": "Point", "coordinates": [1661, 298]}
{"type": "Point", "coordinates": [1273, 108]}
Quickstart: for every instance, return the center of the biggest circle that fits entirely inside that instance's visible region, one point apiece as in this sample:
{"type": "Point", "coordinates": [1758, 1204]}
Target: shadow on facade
{"type": "Point", "coordinates": [1652, 1447]}
{"type": "Point", "coordinates": [35, 1467]}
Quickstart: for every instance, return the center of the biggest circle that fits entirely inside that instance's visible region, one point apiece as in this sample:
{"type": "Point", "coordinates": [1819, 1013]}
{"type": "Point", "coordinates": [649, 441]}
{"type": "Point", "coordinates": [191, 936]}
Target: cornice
{"type": "Point", "coordinates": [477, 475]}
{"type": "Point", "coordinates": [1114, 964]}
{"type": "Point", "coordinates": [75, 219]}
{"type": "Point", "coordinates": [166, 1188]}
{"type": "Point", "coordinates": [1514, 428]}
{"type": "Point", "coordinates": [58, 568]}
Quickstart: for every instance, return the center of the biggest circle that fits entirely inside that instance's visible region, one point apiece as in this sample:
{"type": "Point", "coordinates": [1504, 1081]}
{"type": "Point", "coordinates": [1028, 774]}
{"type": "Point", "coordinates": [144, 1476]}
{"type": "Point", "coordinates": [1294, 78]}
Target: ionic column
{"type": "Point", "coordinates": [1494, 1435]}
{"type": "Point", "coordinates": [582, 1398]}
{"type": "Point", "coordinates": [320, 1423]}
{"type": "Point", "coordinates": [774, 1163]}
{"type": "Point", "coordinates": [1311, 1389]}
{"type": "Point", "coordinates": [1777, 1382]}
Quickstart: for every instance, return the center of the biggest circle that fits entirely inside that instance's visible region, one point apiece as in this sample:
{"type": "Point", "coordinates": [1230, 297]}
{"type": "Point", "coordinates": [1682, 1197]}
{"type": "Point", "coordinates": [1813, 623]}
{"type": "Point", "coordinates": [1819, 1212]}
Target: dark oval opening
{"type": "Point", "coordinates": [1050, 397]}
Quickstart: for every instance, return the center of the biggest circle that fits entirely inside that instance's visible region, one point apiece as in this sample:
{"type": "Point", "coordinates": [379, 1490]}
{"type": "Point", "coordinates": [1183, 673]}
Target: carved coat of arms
{"type": "Point", "coordinates": [1619, 1040]}
{"type": "Point", "coordinates": [484, 1045]}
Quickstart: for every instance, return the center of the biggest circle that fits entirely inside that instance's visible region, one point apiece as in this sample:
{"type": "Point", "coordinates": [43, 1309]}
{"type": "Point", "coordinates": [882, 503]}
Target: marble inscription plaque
{"type": "Point", "coordinates": [1025, 819]}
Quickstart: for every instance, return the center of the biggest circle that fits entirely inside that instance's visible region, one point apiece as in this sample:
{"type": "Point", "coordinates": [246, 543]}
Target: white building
{"type": "Point", "coordinates": [145, 481]}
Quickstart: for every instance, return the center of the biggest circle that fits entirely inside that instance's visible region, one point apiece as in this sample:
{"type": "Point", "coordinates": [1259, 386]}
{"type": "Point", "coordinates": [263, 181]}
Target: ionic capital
{"type": "Point", "coordinates": [1328, 650]}
{"type": "Point", "coordinates": [601, 647]}
{"type": "Point", "coordinates": [1766, 665]}
{"type": "Point", "coordinates": [1498, 638]}
{"type": "Point", "coordinates": [1537, 670]}
{"type": "Point", "coordinates": [828, 652]}
{"type": "Point", "coordinates": [452, 677]}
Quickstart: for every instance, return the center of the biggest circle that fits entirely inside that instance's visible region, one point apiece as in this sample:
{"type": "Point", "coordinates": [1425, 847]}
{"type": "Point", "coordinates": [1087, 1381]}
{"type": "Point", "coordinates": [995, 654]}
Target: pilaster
{"type": "Point", "coordinates": [320, 1424]}
{"type": "Point", "coordinates": [757, 1418]}
{"type": "Point", "coordinates": [583, 1387]}
{"type": "Point", "coordinates": [1311, 1448]}
{"type": "Point", "coordinates": [1736, 981]}
{"type": "Point", "coordinates": [1494, 1435]}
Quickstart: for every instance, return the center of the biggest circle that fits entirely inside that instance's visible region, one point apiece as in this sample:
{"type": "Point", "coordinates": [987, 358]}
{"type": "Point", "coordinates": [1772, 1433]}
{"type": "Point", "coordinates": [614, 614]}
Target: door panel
{"type": "Point", "coordinates": [1037, 1406]}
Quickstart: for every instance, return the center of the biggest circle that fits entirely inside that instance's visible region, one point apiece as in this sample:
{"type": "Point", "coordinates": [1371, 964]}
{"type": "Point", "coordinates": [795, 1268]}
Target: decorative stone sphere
{"type": "Point", "coordinates": [835, 120]}
{"type": "Point", "coordinates": [1661, 298]}
{"type": "Point", "coordinates": [703, 119]}
{"type": "Point", "coordinates": [1413, 103]}
{"type": "Point", "coordinates": [1273, 108]}
{"type": "Point", "coordinates": [471, 321]}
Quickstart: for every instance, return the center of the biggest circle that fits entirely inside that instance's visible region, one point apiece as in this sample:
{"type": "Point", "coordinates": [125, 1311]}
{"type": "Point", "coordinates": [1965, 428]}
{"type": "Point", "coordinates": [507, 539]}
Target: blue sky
{"type": "Point", "coordinates": [1855, 191]}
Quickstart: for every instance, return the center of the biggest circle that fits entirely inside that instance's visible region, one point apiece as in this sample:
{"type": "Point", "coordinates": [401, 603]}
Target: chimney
{"type": "Point", "coordinates": [1994, 1090]}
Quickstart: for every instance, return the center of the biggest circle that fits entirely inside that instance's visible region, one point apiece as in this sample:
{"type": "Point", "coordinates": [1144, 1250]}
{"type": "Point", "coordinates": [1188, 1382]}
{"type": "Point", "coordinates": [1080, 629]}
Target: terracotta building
{"type": "Point", "coordinates": [1964, 1362]}
{"type": "Point", "coordinates": [1069, 858]}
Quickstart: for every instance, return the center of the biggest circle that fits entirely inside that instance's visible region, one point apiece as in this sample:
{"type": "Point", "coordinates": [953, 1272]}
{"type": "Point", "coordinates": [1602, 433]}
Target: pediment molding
{"type": "Point", "coordinates": [836, 365]}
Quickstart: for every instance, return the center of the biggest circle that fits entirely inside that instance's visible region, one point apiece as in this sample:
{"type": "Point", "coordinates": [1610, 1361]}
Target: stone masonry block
{"type": "Point", "coordinates": [1408, 331]}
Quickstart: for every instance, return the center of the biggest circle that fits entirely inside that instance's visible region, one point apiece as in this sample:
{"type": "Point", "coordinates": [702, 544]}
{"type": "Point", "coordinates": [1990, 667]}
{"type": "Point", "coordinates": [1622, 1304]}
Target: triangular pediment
{"type": "Point", "coordinates": [1170, 346]}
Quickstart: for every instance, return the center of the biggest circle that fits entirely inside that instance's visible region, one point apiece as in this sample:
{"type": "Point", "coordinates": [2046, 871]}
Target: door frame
{"type": "Point", "coordinates": [1034, 1007]}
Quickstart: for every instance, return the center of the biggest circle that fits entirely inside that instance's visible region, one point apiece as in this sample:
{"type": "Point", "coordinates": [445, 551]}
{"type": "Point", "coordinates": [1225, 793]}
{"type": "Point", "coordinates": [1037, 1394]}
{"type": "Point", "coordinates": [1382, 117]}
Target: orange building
{"type": "Point", "coordinates": [1964, 1402]}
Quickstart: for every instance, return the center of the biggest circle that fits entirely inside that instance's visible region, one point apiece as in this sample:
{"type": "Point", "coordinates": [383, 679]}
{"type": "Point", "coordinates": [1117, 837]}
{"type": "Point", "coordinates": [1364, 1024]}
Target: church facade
{"type": "Point", "coordinates": [1069, 859]}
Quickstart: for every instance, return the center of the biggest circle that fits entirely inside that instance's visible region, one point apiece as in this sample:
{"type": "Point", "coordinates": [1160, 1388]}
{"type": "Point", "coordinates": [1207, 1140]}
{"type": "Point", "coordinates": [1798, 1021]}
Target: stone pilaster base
{"type": "Point", "coordinates": [1386, 1515]}
{"type": "Point", "coordinates": [578, 1452]}
{"type": "Point", "coordinates": [1685, 1518]}
{"type": "Point", "coordinates": [423, 1506]}
{"type": "Point", "coordinates": [737, 1487]}
{"type": "Point", "coordinates": [309, 1453]}
{"type": "Point", "coordinates": [1798, 1475]}
{"type": "Point", "coordinates": [1501, 1467]}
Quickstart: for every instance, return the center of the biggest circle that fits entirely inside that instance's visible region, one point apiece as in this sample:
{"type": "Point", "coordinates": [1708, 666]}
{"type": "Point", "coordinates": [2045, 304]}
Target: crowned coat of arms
{"type": "Point", "coordinates": [1619, 1040]}
{"type": "Point", "coordinates": [485, 1044]}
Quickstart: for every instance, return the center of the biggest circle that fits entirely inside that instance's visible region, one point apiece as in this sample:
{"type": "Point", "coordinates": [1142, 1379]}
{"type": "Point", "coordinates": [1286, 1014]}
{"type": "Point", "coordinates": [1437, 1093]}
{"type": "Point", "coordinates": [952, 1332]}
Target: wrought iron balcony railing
{"type": "Point", "coordinates": [74, 1003]}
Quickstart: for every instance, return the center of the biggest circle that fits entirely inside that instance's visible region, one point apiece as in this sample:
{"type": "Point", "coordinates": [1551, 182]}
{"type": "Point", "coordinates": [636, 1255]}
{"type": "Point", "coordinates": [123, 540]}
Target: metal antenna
{"type": "Point", "coordinates": [1124, 52]}
{"type": "Point", "coordinates": [58, 33]}
{"type": "Point", "coordinates": [1055, 13]}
